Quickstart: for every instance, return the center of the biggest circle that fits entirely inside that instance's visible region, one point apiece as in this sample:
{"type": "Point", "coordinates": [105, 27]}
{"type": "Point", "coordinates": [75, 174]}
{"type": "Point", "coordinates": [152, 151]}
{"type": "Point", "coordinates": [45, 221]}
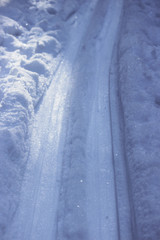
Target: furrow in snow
{"type": "Point", "coordinates": [124, 207]}
{"type": "Point", "coordinates": [88, 204]}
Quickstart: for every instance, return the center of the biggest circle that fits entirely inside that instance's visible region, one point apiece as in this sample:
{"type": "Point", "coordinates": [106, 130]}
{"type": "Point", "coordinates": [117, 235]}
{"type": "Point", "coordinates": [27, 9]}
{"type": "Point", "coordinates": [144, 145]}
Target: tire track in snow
{"type": "Point", "coordinates": [88, 202]}
{"type": "Point", "coordinates": [101, 142]}
{"type": "Point", "coordinates": [118, 154]}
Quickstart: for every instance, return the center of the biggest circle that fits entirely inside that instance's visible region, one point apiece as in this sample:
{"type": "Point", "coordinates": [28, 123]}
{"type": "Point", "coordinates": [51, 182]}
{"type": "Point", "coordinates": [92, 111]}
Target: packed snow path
{"type": "Point", "coordinates": [69, 190]}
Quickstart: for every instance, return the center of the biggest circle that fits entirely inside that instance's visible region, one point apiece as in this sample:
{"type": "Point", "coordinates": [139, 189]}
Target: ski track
{"type": "Point", "coordinates": [70, 190]}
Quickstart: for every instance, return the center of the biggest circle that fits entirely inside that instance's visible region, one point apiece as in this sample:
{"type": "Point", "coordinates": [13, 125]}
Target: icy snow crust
{"type": "Point", "coordinates": [139, 72]}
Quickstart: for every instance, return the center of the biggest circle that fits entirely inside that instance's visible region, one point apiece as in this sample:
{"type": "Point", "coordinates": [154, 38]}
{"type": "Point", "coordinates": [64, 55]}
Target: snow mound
{"type": "Point", "coordinates": [30, 51]}
{"type": "Point", "coordinates": [35, 65]}
{"type": "Point", "coordinates": [10, 26]}
{"type": "Point", "coordinates": [48, 44]}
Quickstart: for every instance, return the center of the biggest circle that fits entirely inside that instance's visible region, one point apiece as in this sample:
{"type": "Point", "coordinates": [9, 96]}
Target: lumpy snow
{"type": "Point", "coordinates": [79, 120]}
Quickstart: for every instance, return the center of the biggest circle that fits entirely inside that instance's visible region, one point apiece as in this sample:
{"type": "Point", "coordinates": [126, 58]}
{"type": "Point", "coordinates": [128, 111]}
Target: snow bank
{"type": "Point", "coordinates": [139, 76]}
{"type": "Point", "coordinates": [30, 46]}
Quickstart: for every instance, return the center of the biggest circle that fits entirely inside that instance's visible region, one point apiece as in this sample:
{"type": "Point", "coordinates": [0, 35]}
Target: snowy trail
{"type": "Point", "coordinates": [69, 191]}
{"type": "Point", "coordinates": [102, 182]}
{"type": "Point", "coordinates": [88, 204]}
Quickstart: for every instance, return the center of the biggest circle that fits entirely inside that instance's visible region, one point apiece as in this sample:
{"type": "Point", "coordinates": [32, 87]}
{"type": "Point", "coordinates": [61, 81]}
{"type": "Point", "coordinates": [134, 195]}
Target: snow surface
{"type": "Point", "coordinates": [138, 60]}
{"type": "Point", "coordinates": [79, 111]}
{"type": "Point", "coordinates": [26, 69]}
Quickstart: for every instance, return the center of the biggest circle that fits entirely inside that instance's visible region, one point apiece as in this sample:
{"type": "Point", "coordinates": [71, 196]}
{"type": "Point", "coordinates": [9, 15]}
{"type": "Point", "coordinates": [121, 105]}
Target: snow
{"type": "Point", "coordinates": [27, 64]}
{"type": "Point", "coordinates": [79, 120]}
{"type": "Point", "coordinates": [139, 89]}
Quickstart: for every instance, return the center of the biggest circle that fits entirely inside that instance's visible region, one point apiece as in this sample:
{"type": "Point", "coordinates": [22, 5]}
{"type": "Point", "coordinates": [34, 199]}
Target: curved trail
{"type": "Point", "coordinates": [69, 191]}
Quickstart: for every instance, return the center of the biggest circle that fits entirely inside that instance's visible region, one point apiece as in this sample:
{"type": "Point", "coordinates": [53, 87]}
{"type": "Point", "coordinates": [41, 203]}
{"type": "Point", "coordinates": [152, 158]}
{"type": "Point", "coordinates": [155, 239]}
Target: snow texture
{"type": "Point", "coordinates": [139, 83]}
{"type": "Point", "coordinates": [79, 120]}
{"type": "Point", "coordinates": [30, 51]}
